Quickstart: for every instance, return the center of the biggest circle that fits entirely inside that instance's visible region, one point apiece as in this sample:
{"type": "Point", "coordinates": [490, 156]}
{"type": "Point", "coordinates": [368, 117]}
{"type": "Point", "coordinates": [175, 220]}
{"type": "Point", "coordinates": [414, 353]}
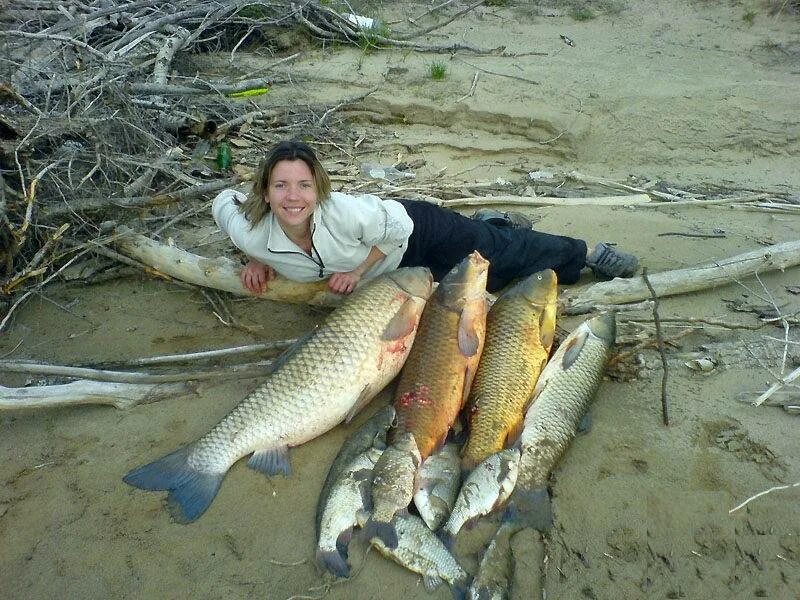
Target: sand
{"type": "Point", "coordinates": [694, 94]}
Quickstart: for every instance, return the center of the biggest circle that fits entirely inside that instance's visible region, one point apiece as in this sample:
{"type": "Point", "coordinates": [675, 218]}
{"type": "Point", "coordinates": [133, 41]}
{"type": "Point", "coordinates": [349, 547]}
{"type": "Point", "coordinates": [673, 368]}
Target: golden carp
{"type": "Point", "coordinates": [437, 376]}
{"type": "Point", "coordinates": [326, 379]}
{"type": "Point", "coordinates": [563, 393]}
{"type": "Point", "coordinates": [520, 328]}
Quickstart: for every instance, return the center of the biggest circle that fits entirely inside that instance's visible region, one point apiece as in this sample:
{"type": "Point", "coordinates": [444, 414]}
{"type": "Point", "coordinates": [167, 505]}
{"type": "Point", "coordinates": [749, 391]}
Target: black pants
{"type": "Point", "coordinates": [442, 238]}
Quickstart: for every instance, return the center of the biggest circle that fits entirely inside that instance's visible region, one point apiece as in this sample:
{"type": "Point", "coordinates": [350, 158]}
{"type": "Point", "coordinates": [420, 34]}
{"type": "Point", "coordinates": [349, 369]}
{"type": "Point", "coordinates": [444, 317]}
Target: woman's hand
{"type": "Point", "coordinates": [344, 283]}
{"type": "Point", "coordinates": [255, 276]}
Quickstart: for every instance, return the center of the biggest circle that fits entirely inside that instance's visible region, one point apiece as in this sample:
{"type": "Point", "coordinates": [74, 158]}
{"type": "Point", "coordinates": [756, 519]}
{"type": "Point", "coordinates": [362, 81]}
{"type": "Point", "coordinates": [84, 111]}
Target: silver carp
{"type": "Point", "coordinates": [488, 487]}
{"type": "Point", "coordinates": [419, 550]}
{"type": "Point", "coordinates": [324, 380]}
{"type": "Point", "coordinates": [351, 493]}
{"type": "Point", "coordinates": [398, 464]}
{"type": "Point", "coordinates": [436, 485]}
{"type": "Point", "coordinates": [562, 395]}
{"type": "Point", "coordinates": [372, 433]}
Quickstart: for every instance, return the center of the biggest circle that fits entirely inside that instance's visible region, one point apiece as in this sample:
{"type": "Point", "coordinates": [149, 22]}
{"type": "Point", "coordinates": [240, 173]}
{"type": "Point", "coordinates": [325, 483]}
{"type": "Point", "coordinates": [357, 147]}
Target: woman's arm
{"type": "Point", "coordinates": [344, 283]}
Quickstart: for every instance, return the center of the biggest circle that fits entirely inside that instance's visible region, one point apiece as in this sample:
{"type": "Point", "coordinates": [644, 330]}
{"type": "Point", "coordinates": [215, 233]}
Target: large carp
{"type": "Point", "coordinates": [520, 329]}
{"type": "Point", "coordinates": [318, 384]}
{"type": "Point", "coordinates": [435, 380]}
{"type": "Point", "coordinates": [562, 395]}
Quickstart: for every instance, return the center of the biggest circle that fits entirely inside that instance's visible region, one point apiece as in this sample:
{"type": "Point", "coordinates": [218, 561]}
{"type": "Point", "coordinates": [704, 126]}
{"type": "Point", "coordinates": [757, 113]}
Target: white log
{"type": "Point", "coordinates": [218, 273]}
{"type": "Point", "coordinates": [77, 393]}
{"type": "Point", "coordinates": [627, 200]}
{"type": "Point", "coordinates": [682, 281]}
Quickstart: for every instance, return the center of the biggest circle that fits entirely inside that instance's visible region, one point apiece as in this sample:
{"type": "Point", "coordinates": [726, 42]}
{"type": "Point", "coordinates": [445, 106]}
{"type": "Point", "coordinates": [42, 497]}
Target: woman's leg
{"type": "Point", "coordinates": [441, 238]}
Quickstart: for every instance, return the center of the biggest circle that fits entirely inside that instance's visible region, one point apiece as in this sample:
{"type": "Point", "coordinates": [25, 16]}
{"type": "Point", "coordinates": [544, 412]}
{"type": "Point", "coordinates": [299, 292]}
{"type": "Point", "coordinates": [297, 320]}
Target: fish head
{"type": "Point", "coordinates": [415, 281]}
{"type": "Point", "coordinates": [604, 327]}
{"type": "Point", "coordinates": [466, 281]}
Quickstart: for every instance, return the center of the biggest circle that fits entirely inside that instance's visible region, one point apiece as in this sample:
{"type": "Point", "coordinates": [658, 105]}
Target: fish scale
{"type": "Point", "coordinates": [562, 395]}
{"type": "Point", "coordinates": [323, 380]}
{"type": "Point", "coordinates": [519, 333]}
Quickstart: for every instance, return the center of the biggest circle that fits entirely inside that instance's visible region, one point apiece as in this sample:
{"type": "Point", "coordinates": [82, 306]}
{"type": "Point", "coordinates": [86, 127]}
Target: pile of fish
{"type": "Point", "coordinates": [458, 359]}
{"type": "Point", "coordinates": [522, 410]}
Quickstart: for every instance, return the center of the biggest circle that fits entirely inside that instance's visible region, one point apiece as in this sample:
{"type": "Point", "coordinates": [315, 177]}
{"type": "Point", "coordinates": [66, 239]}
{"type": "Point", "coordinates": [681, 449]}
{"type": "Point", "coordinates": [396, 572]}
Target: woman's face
{"type": "Point", "coordinates": [292, 193]}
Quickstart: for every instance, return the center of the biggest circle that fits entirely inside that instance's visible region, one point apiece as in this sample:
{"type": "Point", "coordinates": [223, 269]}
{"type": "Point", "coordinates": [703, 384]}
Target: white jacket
{"type": "Point", "coordinates": [343, 231]}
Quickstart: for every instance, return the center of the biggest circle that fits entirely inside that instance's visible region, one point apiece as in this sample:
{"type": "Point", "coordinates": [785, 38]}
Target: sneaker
{"type": "Point", "coordinates": [608, 262]}
{"type": "Point", "coordinates": [503, 219]}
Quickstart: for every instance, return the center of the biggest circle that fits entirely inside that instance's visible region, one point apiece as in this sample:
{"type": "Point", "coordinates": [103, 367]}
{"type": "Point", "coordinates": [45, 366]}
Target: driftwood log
{"type": "Point", "coordinates": [219, 273]}
{"type": "Point", "coordinates": [682, 281]}
{"type": "Point", "coordinates": [120, 395]}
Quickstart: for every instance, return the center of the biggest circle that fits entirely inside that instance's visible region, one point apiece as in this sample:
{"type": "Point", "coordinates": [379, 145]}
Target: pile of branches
{"type": "Point", "coordinates": [101, 111]}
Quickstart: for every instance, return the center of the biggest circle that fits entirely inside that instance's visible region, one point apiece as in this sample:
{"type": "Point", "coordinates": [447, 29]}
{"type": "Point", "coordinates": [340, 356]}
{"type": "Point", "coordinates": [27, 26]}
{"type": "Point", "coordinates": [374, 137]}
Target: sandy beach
{"type": "Point", "coordinates": [698, 97]}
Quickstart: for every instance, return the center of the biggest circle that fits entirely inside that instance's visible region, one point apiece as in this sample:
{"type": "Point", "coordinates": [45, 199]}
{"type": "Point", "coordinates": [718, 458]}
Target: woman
{"type": "Point", "coordinates": [292, 224]}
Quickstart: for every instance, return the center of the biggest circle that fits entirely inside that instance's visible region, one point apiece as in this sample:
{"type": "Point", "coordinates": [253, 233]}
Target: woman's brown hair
{"type": "Point", "coordinates": [256, 207]}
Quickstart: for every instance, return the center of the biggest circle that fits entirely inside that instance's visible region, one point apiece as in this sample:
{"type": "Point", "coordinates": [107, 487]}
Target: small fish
{"type": "Point", "coordinates": [493, 581]}
{"type": "Point", "coordinates": [562, 395]}
{"type": "Point", "coordinates": [520, 329]}
{"type": "Point", "coordinates": [321, 382]}
{"type": "Point", "coordinates": [436, 378]}
{"type": "Point", "coordinates": [419, 550]}
{"type": "Point", "coordinates": [436, 486]}
{"type": "Point", "coordinates": [487, 487]}
{"type": "Point", "coordinates": [350, 494]}
{"type": "Point", "coordinates": [398, 464]}
{"type": "Point", "coordinates": [372, 433]}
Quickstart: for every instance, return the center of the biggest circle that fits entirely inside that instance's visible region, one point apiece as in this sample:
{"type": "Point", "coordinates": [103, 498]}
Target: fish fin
{"type": "Point", "coordinates": [547, 326]}
{"type": "Point", "coordinates": [431, 582]}
{"type": "Point", "coordinates": [447, 539]}
{"type": "Point", "coordinates": [574, 347]}
{"type": "Point", "coordinates": [515, 431]}
{"type": "Point", "coordinates": [386, 532]}
{"type": "Point", "coordinates": [585, 424]}
{"type": "Point", "coordinates": [531, 508]}
{"type": "Point", "coordinates": [363, 399]}
{"type": "Point", "coordinates": [469, 336]}
{"type": "Point", "coordinates": [271, 461]}
{"type": "Point", "coordinates": [190, 491]}
{"type": "Point", "coordinates": [403, 322]}
{"type": "Point", "coordinates": [334, 562]}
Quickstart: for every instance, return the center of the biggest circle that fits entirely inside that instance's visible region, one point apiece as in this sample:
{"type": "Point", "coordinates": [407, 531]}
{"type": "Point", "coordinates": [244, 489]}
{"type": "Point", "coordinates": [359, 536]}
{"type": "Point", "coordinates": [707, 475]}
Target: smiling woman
{"type": "Point", "coordinates": [292, 224]}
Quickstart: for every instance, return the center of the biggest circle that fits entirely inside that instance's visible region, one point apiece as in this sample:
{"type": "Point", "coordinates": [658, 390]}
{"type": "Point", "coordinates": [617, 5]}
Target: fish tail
{"type": "Point", "coordinates": [447, 538]}
{"type": "Point", "coordinates": [190, 491]}
{"type": "Point", "coordinates": [530, 508]}
{"type": "Point", "coordinates": [460, 588]}
{"type": "Point", "coordinates": [334, 562]}
{"type": "Point", "coordinates": [384, 531]}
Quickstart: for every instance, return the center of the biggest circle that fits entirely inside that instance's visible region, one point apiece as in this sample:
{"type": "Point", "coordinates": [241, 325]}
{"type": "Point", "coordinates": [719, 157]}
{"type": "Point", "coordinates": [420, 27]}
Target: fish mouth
{"type": "Point", "coordinates": [467, 280]}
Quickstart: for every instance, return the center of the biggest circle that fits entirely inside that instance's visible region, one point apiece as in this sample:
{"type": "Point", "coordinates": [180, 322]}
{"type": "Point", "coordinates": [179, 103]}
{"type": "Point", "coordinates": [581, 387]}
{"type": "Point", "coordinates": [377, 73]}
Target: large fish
{"type": "Point", "coordinates": [520, 329]}
{"type": "Point", "coordinates": [419, 550]}
{"type": "Point", "coordinates": [436, 378]}
{"type": "Point", "coordinates": [390, 495]}
{"type": "Point", "coordinates": [562, 395]}
{"type": "Point", "coordinates": [323, 381]}
{"type": "Point", "coordinates": [348, 496]}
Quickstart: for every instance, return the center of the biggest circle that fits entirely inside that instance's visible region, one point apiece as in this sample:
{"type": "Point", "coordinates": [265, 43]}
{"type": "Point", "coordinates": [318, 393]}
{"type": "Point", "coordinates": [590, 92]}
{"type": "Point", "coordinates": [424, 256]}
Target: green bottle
{"type": "Point", "coordinates": [223, 157]}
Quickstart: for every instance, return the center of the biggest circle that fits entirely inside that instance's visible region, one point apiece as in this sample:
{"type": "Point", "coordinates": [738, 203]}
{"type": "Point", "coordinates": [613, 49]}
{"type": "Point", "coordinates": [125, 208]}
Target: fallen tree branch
{"type": "Point", "coordinates": [218, 273]}
{"type": "Point", "coordinates": [547, 201]}
{"type": "Point", "coordinates": [777, 386]}
{"type": "Point", "coordinates": [247, 370]}
{"type": "Point", "coordinates": [764, 493]}
{"type": "Point", "coordinates": [79, 393]}
{"type": "Point", "coordinates": [682, 281]}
